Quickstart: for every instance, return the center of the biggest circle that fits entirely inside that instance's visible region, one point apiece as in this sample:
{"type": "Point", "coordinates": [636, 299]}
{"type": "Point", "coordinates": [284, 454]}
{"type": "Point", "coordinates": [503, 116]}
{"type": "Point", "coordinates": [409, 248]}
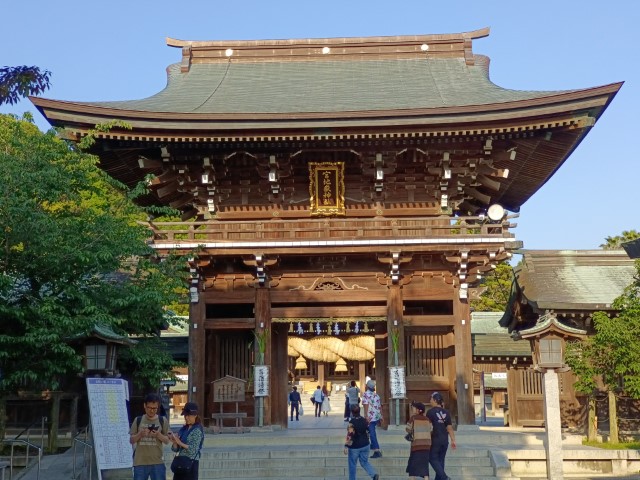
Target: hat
{"type": "Point", "coordinates": [190, 408]}
{"type": "Point", "coordinates": [418, 406]}
{"type": "Point", "coordinates": [371, 384]}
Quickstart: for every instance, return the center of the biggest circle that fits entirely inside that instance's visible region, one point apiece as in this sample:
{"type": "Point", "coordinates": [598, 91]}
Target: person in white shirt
{"type": "Point", "coordinates": [318, 398]}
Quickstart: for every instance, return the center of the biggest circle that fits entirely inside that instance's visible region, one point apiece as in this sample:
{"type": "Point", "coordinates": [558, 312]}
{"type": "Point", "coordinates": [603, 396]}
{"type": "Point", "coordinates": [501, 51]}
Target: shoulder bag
{"type": "Point", "coordinates": [181, 464]}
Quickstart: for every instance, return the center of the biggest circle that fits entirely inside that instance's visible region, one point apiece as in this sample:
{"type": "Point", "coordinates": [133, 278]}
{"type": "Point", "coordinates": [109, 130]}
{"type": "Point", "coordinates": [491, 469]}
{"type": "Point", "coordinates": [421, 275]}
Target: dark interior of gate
{"type": "Point", "coordinates": [332, 330]}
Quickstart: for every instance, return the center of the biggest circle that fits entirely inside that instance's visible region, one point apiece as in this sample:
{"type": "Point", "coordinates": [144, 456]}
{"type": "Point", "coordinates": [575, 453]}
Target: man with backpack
{"type": "Point", "coordinates": [148, 432]}
{"type": "Point", "coordinates": [357, 445]}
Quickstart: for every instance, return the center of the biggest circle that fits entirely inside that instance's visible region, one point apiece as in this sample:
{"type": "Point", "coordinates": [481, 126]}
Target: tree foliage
{"type": "Point", "coordinates": [615, 242]}
{"type": "Point", "coordinates": [498, 288]}
{"type": "Point", "coordinates": [72, 255]}
{"type": "Point", "coordinates": [18, 82]}
{"type": "Point", "coordinates": [613, 351]}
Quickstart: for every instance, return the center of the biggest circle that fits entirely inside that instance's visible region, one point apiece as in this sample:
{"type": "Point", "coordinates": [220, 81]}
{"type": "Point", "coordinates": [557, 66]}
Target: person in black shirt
{"type": "Point", "coordinates": [442, 430]}
{"type": "Point", "coordinates": [357, 445]}
{"type": "Point", "coordinates": [294, 401]}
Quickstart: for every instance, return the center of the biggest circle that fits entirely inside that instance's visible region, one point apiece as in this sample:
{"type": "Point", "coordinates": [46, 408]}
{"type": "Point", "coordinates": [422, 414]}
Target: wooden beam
{"type": "Point", "coordinates": [230, 324]}
{"type": "Point", "coordinates": [329, 311]}
{"type": "Point", "coordinates": [428, 320]}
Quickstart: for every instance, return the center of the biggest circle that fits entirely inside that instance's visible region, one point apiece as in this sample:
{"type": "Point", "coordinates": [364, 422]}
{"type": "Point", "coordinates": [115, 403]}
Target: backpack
{"type": "Point", "coordinates": [360, 428]}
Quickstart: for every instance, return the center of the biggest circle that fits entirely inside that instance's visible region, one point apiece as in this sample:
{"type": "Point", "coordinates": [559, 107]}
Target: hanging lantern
{"type": "Point", "coordinates": [301, 363]}
{"type": "Point", "coordinates": [291, 328]}
{"type": "Point", "coordinates": [341, 365]}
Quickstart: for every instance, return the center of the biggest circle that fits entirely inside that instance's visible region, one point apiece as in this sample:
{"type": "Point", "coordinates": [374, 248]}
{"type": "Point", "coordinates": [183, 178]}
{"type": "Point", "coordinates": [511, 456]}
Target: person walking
{"type": "Point", "coordinates": [442, 430]}
{"type": "Point", "coordinates": [352, 398]}
{"type": "Point", "coordinates": [187, 442]}
{"type": "Point", "coordinates": [294, 401]}
{"type": "Point", "coordinates": [357, 445]}
{"type": "Point", "coordinates": [318, 398]}
{"type": "Point", "coordinates": [326, 404]}
{"type": "Point", "coordinates": [373, 413]}
{"type": "Point", "coordinates": [148, 433]}
{"type": "Point", "coordinates": [419, 431]}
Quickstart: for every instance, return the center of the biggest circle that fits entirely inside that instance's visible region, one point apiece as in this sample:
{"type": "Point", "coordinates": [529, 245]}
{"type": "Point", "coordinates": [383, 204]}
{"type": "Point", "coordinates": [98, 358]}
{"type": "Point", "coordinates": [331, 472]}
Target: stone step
{"type": "Point", "coordinates": [293, 470]}
{"type": "Point", "coordinates": [294, 461]}
{"type": "Point", "coordinates": [331, 461]}
{"type": "Point", "coordinates": [459, 455]}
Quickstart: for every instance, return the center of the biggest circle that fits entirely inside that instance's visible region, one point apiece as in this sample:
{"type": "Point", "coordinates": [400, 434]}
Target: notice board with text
{"type": "Point", "coordinates": [110, 423]}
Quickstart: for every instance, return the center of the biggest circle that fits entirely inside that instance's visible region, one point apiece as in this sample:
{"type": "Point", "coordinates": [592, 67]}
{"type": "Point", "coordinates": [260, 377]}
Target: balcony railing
{"type": "Point", "coordinates": [328, 229]}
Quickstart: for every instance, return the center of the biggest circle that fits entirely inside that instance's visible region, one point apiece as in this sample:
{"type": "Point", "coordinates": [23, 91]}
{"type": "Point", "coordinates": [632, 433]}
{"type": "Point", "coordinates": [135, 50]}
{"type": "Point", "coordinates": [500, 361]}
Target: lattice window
{"type": "Point", "coordinates": [425, 354]}
{"type": "Point", "coordinates": [236, 356]}
{"type": "Point", "coordinates": [529, 382]}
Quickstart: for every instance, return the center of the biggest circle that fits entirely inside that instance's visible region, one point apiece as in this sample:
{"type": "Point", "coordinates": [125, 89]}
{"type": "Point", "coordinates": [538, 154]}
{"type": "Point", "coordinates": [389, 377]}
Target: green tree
{"type": "Point", "coordinates": [18, 82]}
{"type": "Point", "coordinates": [612, 354]}
{"type": "Point", "coordinates": [615, 243]}
{"type": "Point", "coordinates": [72, 255]}
{"type": "Point", "coordinates": [497, 284]}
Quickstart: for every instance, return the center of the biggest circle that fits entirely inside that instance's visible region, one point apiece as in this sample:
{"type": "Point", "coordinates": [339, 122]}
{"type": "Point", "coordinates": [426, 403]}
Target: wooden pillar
{"type": "Point", "coordinates": [382, 377]}
{"type": "Point", "coordinates": [321, 374]}
{"type": "Point", "coordinates": [263, 327]}
{"type": "Point", "coordinates": [54, 422]}
{"type": "Point", "coordinates": [196, 393]}
{"type": "Point", "coordinates": [395, 327]}
{"type": "Point", "coordinates": [279, 374]}
{"type": "Point", "coordinates": [464, 360]}
{"type": "Point", "coordinates": [362, 376]}
{"type": "Point", "coordinates": [73, 416]}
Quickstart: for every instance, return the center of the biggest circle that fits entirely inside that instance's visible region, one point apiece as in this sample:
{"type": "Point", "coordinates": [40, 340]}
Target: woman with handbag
{"type": "Point", "coordinates": [419, 434]}
{"type": "Point", "coordinates": [187, 443]}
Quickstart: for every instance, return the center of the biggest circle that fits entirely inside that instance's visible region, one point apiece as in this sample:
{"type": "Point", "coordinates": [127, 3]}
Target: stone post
{"type": "Point", "coordinates": [553, 426]}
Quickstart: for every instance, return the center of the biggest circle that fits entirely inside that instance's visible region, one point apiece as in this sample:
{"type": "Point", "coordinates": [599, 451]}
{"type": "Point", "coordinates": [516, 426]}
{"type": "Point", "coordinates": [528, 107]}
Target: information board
{"type": "Point", "coordinates": [397, 385]}
{"type": "Point", "coordinates": [261, 381]}
{"type": "Point", "coordinates": [110, 423]}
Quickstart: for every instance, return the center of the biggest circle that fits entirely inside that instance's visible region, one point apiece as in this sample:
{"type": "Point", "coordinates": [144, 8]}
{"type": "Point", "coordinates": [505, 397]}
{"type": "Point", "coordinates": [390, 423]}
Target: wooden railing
{"type": "Point", "coordinates": [328, 229]}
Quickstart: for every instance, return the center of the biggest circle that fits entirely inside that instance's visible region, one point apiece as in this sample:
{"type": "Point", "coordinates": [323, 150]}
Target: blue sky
{"type": "Point", "coordinates": [116, 51]}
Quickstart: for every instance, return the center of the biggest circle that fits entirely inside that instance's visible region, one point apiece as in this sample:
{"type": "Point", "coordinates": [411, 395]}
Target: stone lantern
{"type": "Point", "coordinates": [548, 340]}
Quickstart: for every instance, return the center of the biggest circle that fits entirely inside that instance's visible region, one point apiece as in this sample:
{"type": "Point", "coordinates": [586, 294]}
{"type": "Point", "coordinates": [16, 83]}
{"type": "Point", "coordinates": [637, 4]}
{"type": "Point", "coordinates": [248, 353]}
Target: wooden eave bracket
{"type": "Point", "coordinates": [185, 65]}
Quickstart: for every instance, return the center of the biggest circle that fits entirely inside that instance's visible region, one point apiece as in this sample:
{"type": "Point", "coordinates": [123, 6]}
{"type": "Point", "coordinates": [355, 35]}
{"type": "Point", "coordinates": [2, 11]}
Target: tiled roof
{"type": "Point", "coordinates": [489, 339]}
{"type": "Point", "coordinates": [306, 87]}
{"type": "Point", "coordinates": [632, 248]}
{"type": "Point", "coordinates": [265, 80]}
{"type": "Point", "coordinates": [574, 279]}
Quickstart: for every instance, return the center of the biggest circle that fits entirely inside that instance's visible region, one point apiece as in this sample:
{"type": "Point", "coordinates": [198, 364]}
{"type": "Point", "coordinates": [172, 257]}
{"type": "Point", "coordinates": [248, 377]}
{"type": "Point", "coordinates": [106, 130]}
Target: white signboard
{"type": "Point", "coordinates": [397, 385]}
{"type": "Point", "coordinates": [110, 422]}
{"type": "Point", "coordinates": [499, 375]}
{"type": "Point", "coordinates": [261, 381]}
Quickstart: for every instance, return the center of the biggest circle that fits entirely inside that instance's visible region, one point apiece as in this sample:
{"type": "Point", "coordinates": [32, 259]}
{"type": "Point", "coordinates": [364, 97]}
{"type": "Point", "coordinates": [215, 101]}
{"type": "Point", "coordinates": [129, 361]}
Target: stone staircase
{"type": "Point", "coordinates": [328, 463]}
{"type": "Point", "coordinates": [318, 454]}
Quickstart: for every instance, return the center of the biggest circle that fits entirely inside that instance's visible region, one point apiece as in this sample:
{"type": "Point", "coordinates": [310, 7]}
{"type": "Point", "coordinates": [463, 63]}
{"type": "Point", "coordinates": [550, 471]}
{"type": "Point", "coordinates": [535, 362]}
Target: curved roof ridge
{"type": "Point", "coordinates": [444, 37]}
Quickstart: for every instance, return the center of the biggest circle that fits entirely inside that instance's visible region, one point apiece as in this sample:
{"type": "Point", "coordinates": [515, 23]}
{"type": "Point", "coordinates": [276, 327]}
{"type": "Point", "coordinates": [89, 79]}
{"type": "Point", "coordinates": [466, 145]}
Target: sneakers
{"type": "Point", "coordinates": [376, 454]}
{"type": "Point", "coordinates": [376, 477]}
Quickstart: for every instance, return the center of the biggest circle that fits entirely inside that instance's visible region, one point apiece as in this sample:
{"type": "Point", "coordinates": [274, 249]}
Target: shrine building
{"type": "Point", "coordinates": [341, 200]}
